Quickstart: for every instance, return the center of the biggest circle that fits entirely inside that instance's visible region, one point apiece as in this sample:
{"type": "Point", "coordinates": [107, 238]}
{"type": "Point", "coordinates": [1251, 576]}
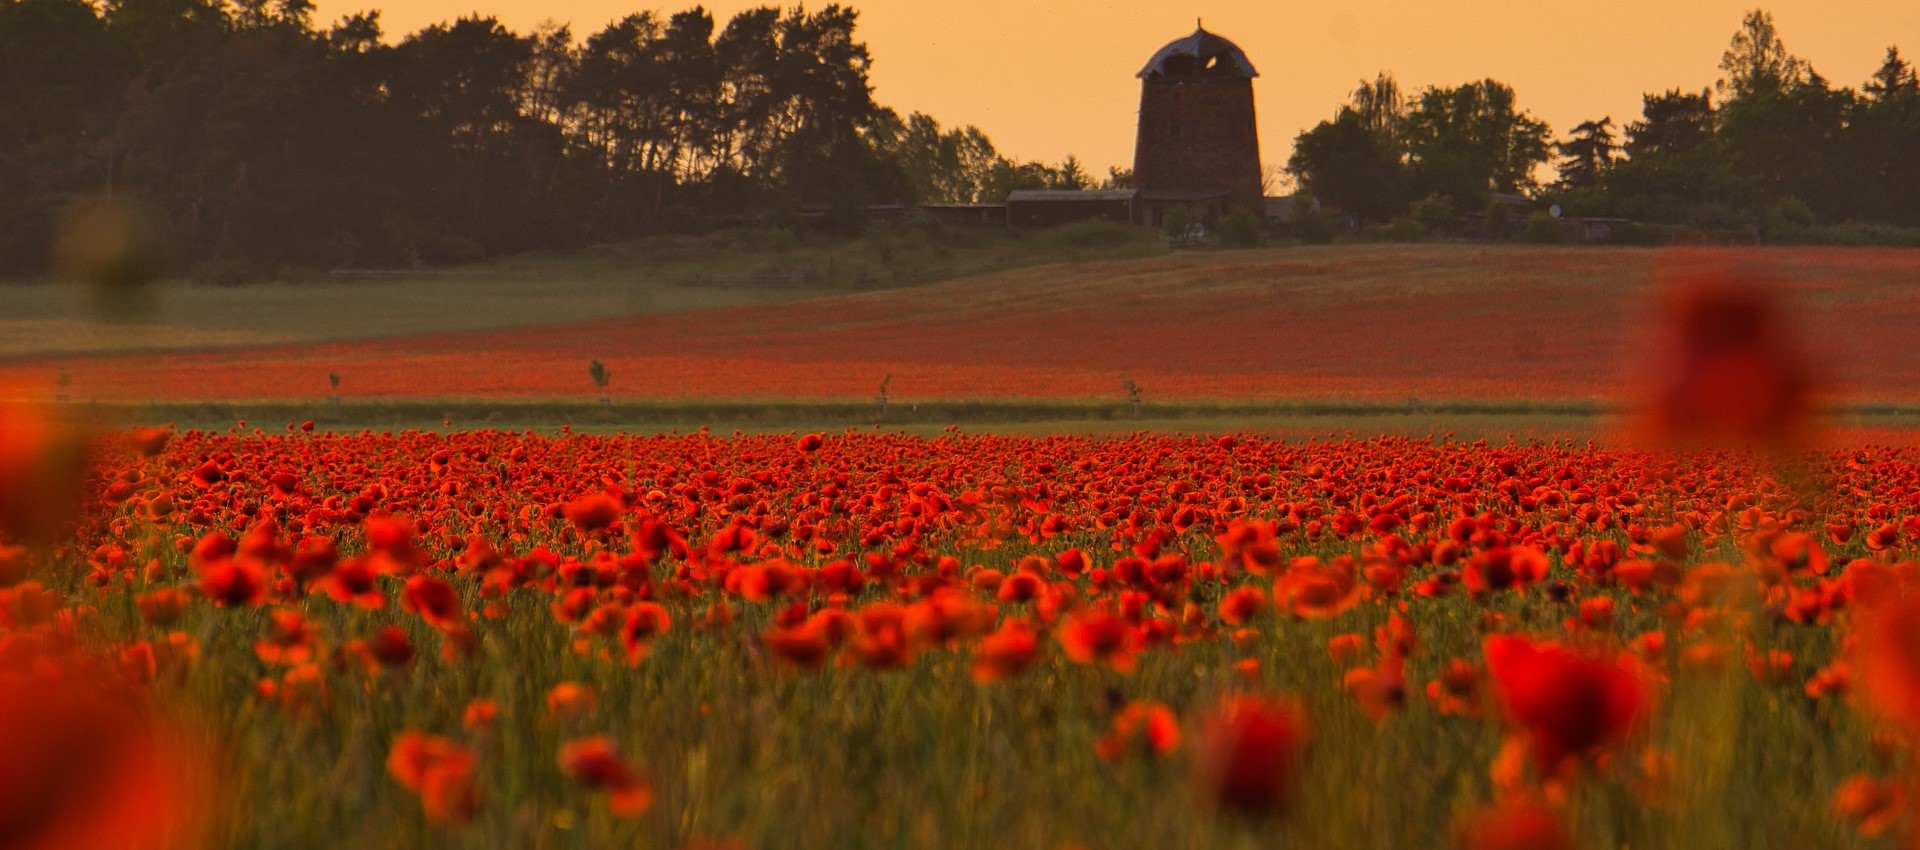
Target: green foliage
{"type": "Point", "coordinates": [1436, 213]}
{"type": "Point", "coordinates": [598, 371]}
{"type": "Point", "coordinates": [1465, 141]}
{"type": "Point", "coordinates": [1309, 224]}
{"type": "Point", "coordinates": [1240, 229]}
{"type": "Point", "coordinates": [1499, 221]}
{"type": "Point", "coordinates": [1544, 229]}
{"type": "Point", "coordinates": [1848, 233]}
{"type": "Point", "coordinates": [1351, 164]}
{"type": "Point", "coordinates": [1757, 62]}
{"type": "Point", "coordinates": [1587, 154]}
{"type": "Point", "coordinates": [1092, 233]}
{"type": "Point", "coordinates": [272, 142]}
{"type": "Point", "coordinates": [1400, 229]}
{"type": "Point", "coordinates": [1176, 222]}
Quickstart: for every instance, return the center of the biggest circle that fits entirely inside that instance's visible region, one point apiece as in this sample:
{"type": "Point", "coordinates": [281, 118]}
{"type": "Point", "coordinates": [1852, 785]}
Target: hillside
{"type": "Point", "coordinates": [1373, 322]}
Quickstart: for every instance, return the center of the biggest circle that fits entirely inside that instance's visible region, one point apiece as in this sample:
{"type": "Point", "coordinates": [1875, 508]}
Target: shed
{"type": "Point", "coordinates": [991, 214]}
{"type": "Point", "coordinates": [1049, 207]}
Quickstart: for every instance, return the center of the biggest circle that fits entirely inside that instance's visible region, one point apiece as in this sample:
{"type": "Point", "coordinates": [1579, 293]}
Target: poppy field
{"type": "Point", "coordinates": [494, 639]}
{"type": "Point", "coordinates": [1374, 323]}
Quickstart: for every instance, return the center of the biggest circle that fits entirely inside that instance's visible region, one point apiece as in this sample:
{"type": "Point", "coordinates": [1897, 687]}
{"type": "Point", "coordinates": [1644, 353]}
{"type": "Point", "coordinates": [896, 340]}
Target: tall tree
{"type": "Point", "coordinates": [1757, 61]}
{"type": "Point", "coordinates": [1672, 123]}
{"type": "Point", "coordinates": [1467, 141]}
{"type": "Point", "coordinates": [1587, 154]}
{"type": "Point", "coordinates": [1895, 78]}
{"type": "Point", "coordinates": [1348, 164]}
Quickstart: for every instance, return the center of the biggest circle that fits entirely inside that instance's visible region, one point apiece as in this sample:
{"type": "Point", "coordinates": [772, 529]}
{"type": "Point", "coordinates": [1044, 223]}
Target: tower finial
{"type": "Point", "coordinates": [1196, 23]}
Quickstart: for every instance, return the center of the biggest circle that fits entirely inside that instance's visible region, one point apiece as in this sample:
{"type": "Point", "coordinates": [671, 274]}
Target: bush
{"type": "Point", "coordinates": [1092, 233]}
{"type": "Point", "coordinates": [1499, 221]}
{"type": "Point", "coordinates": [1400, 229]}
{"type": "Point", "coordinates": [1240, 229]}
{"type": "Point", "coordinates": [1435, 213]}
{"type": "Point", "coordinates": [1544, 229]}
{"type": "Point", "coordinates": [1787, 215]}
{"type": "Point", "coordinates": [1309, 224]}
{"type": "Point", "coordinates": [1176, 222]}
{"type": "Point", "coordinates": [1851, 234]}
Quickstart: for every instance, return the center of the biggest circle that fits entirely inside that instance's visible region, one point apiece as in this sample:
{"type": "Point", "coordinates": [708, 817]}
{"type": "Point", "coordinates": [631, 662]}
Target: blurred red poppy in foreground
{"type": "Point", "coordinates": [1246, 756]}
{"type": "Point", "coordinates": [1732, 373]}
{"type": "Point", "coordinates": [438, 770]}
{"type": "Point", "coordinates": [1568, 703]}
{"type": "Point", "coordinates": [41, 467]}
{"type": "Point", "coordinates": [1888, 659]}
{"type": "Point", "coordinates": [1526, 823]}
{"type": "Point", "coordinates": [82, 768]}
{"type": "Point", "coordinates": [594, 763]}
{"type": "Point", "coordinates": [1144, 726]}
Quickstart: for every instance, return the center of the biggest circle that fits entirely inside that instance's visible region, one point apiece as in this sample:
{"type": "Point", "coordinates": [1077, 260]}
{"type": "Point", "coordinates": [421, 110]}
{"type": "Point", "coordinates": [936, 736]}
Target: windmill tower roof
{"type": "Point", "coordinates": [1202, 53]}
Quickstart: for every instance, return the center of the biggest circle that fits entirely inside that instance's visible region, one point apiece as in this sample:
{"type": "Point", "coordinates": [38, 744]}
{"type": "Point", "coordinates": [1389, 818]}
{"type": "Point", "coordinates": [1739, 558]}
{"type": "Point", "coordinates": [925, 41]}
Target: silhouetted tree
{"type": "Point", "coordinates": [1466, 141]}
{"type": "Point", "coordinates": [1587, 154]}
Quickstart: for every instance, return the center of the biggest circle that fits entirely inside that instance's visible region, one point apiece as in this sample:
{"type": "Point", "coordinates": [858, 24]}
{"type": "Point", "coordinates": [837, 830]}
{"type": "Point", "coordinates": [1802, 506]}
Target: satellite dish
{"type": "Point", "coordinates": [1554, 211]}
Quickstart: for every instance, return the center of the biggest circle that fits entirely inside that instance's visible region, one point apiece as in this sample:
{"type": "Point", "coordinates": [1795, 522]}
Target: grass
{"type": "Point", "coordinates": [664, 275]}
{"type": "Point", "coordinates": [1468, 419]}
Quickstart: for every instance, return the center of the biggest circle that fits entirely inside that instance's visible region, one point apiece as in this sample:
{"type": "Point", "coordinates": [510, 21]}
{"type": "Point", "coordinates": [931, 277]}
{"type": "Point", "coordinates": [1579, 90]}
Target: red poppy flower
{"type": "Point", "coordinates": [805, 646]}
{"type": "Point", "coordinates": [1143, 726]}
{"type": "Point", "coordinates": [480, 714]}
{"type": "Point", "coordinates": [1887, 661]}
{"type": "Point", "coordinates": [1318, 591]}
{"type": "Point", "coordinates": [571, 701]}
{"type": "Point", "coordinates": [593, 512]}
{"type": "Point", "coordinates": [1732, 373]}
{"type": "Point", "coordinates": [1241, 605]}
{"type": "Point", "coordinates": [433, 599]}
{"type": "Point", "coordinates": [1570, 704]}
{"type": "Point", "coordinates": [593, 762]}
{"type": "Point", "coordinates": [1009, 650]}
{"type": "Point", "coordinates": [233, 584]}
{"type": "Point", "coordinates": [1246, 756]}
{"type": "Point", "coordinates": [41, 469]}
{"type": "Point", "coordinates": [882, 640]}
{"type": "Point", "coordinates": [86, 767]}
{"type": "Point", "coordinates": [354, 582]}
{"type": "Point", "coordinates": [391, 647]}
{"type": "Point", "coordinates": [1871, 805]}
{"type": "Point", "coordinates": [645, 621]}
{"type": "Point", "coordinates": [439, 771]}
{"type": "Point", "coordinates": [1524, 823]}
{"type": "Point", "coordinates": [1099, 637]}
{"type": "Point", "coordinates": [1507, 567]}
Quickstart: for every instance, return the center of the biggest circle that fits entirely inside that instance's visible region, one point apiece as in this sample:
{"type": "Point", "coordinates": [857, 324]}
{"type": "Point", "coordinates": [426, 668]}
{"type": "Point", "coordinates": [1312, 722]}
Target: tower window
{"type": "Point", "coordinates": [1174, 128]}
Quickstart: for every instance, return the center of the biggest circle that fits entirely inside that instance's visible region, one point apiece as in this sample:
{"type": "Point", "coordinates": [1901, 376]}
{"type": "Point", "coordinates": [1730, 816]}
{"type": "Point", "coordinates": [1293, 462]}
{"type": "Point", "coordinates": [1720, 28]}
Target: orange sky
{"type": "Point", "coordinates": [1045, 78]}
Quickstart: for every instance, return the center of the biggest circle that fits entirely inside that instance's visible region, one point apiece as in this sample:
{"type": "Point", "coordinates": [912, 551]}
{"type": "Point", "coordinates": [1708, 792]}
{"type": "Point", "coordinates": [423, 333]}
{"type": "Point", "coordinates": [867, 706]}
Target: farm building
{"type": "Point", "coordinates": [1197, 148]}
{"type": "Point", "coordinates": [1049, 207]}
{"type": "Point", "coordinates": [1197, 145]}
{"type": "Point", "coordinates": [990, 214]}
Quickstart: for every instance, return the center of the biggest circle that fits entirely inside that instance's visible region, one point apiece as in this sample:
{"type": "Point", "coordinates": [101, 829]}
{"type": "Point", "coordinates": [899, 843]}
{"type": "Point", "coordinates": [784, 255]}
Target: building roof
{"type": "Point", "coordinates": [1185, 194]}
{"type": "Point", "coordinates": [1071, 195]}
{"type": "Point", "coordinates": [1201, 53]}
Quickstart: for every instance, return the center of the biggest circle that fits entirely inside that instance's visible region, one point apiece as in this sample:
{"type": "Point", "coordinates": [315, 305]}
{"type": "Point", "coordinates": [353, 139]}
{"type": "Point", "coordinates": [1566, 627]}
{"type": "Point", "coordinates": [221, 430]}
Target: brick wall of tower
{"type": "Point", "coordinates": [1198, 135]}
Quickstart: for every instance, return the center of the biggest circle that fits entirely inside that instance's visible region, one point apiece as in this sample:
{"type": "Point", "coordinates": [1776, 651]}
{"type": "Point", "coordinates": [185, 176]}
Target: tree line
{"type": "Point", "coordinates": [259, 140]}
{"type": "Point", "coordinates": [1773, 149]}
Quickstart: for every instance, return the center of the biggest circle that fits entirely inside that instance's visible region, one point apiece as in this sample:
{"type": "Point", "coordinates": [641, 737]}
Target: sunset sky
{"type": "Point", "coordinates": [1053, 77]}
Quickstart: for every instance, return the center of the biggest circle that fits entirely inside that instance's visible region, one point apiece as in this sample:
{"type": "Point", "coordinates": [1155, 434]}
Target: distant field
{"type": "Point", "coordinates": [1385, 323]}
{"type": "Point", "coordinates": [658, 275]}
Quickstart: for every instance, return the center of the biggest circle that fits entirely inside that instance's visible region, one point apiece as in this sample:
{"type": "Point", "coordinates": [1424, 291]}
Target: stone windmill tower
{"type": "Point", "coordinates": [1198, 147]}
